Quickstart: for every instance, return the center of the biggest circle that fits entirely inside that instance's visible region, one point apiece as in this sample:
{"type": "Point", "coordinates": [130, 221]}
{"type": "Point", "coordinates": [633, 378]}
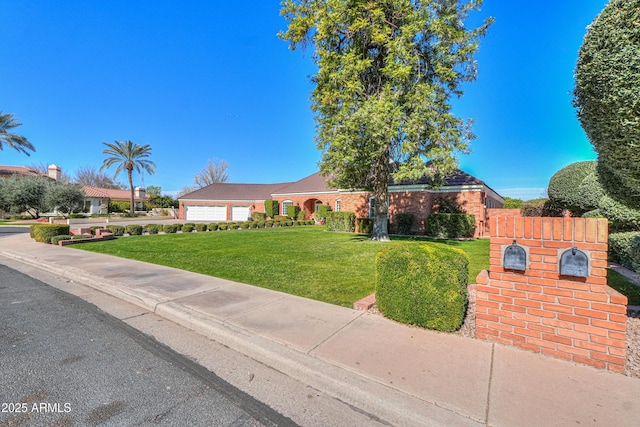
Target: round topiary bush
{"type": "Point", "coordinates": [201, 227]}
{"type": "Point", "coordinates": [188, 228]}
{"type": "Point", "coordinates": [213, 226]}
{"type": "Point", "coordinates": [423, 284]}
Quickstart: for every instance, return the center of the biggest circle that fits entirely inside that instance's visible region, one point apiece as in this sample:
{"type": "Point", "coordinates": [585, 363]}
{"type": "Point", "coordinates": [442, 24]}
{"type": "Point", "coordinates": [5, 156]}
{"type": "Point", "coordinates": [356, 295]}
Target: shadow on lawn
{"type": "Point", "coordinates": [367, 238]}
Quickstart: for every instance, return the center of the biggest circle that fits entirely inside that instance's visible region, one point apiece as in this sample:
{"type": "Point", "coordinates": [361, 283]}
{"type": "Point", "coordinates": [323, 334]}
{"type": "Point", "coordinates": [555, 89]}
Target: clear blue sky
{"type": "Point", "coordinates": [199, 80]}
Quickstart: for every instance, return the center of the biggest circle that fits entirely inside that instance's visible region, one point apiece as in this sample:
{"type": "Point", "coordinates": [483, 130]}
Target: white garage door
{"type": "Point", "coordinates": [240, 213]}
{"type": "Point", "coordinates": [206, 213]}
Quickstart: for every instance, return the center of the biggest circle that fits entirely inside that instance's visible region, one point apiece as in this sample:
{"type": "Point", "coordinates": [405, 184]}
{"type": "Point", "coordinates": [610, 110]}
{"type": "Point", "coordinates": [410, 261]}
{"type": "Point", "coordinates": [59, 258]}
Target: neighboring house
{"type": "Point", "coordinates": [8, 171]}
{"type": "Point", "coordinates": [237, 202]}
{"type": "Point", "coordinates": [96, 200]}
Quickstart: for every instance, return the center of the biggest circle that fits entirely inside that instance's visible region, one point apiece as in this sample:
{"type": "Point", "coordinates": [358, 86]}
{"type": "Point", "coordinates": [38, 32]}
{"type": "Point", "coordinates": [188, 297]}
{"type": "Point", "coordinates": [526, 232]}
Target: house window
{"type": "Point", "coordinates": [372, 207]}
{"type": "Point", "coordinates": [285, 206]}
{"type": "Point", "coordinates": [317, 205]}
{"type": "Point", "coordinates": [338, 205]}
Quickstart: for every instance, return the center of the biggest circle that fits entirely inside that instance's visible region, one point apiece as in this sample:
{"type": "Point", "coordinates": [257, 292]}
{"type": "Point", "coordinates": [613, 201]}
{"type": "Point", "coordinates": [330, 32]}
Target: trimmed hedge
{"type": "Point", "coordinates": [233, 225]}
{"type": "Point", "coordinates": [450, 226]}
{"type": "Point", "coordinates": [322, 212]}
{"type": "Point", "coordinates": [223, 226]}
{"type": "Point", "coordinates": [43, 233]}
{"type": "Point", "coordinates": [153, 228]}
{"type": "Point", "coordinates": [81, 236]}
{"type": "Point", "coordinates": [56, 239]}
{"type": "Point", "coordinates": [423, 285]}
{"type": "Point", "coordinates": [188, 227]}
{"type": "Point", "coordinates": [403, 222]}
{"type": "Point", "coordinates": [341, 221]}
{"type": "Point", "coordinates": [293, 211]}
{"type": "Point", "coordinates": [271, 208]}
{"type": "Point", "coordinates": [364, 225]}
{"type": "Point", "coordinates": [213, 226]}
{"type": "Point", "coordinates": [540, 207]}
{"type": "Point", "coordinates": [245, 225]}
{"type": "Point", "coordinates": [134, 229]}
{"type": "Point", "coordinates": [116, 230]}
{"type": "Point", "coordinates": [280, 218]}
{"type": "Point", "coordinates": [93, 229]}
{"type": "Point", "coordinates": [170, 228]}
{"type": "Point", "coordinates": [624, 248]}
{"type": "Point", "coordinates": [201, 227]}
{"type": "Point", "coordinates": [259, 216]}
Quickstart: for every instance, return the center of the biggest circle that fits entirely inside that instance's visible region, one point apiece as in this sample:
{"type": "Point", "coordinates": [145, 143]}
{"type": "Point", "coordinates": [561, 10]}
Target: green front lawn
{"type": "Point", "coordinates": [337, 268]}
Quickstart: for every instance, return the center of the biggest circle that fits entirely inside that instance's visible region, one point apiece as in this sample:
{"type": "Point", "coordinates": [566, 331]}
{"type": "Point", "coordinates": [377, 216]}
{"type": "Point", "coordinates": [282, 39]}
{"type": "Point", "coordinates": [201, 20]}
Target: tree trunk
{"type": "Point", "coordinates": [380, 231]}
{"type": "Point", "coordinates": [132, 209]}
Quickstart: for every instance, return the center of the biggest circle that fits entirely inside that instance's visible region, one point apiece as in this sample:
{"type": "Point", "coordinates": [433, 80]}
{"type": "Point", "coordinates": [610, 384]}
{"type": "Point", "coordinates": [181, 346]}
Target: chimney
{"type": "Point", "coordinates": [55, 172]}
{"type": "Point", "coordinates": [139, 192]}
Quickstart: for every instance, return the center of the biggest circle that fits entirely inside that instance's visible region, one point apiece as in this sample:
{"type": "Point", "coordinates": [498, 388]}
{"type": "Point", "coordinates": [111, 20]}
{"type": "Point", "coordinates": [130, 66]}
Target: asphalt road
{"type": "Point", "coordinates": [64, 362]}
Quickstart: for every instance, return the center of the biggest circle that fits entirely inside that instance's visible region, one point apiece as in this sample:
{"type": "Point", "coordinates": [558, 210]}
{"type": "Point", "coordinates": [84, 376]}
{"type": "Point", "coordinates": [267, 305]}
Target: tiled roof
{"type": "Point", "coordinates": [109, 193]}
{"type": "Point", "coordinates": [17, 170]}
{"type": "Point", "coordinates": [226, 191]}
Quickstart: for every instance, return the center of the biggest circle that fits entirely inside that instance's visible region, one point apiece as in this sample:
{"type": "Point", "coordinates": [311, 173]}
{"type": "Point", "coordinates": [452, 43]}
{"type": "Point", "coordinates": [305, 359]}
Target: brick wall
{"type": "Point", "coordinates": [573, 318]}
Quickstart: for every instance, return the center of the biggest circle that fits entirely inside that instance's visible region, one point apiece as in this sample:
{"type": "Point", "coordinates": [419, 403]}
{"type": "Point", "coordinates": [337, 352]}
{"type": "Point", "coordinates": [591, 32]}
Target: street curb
{"type": "Point", "coordinates": [364, 394]}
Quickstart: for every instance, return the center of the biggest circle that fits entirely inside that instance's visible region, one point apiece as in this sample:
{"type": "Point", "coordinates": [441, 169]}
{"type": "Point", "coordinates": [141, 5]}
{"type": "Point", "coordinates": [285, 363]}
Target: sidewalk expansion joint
{"type": "Point", "coordinates": [336, 332]}
{"type": "Point", "coordinates": [488, 408]}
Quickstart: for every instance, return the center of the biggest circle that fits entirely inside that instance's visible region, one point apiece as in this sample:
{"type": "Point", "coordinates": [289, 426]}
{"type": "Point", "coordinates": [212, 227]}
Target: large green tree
{"type": "Point", "coordinates": [7, 123]}
{"type": "Point", "coordinates": [129, 156]}
{"type": "Point", "coordinates": [387, 70]}
{"type": "Point", "coordinates": [606, 96]}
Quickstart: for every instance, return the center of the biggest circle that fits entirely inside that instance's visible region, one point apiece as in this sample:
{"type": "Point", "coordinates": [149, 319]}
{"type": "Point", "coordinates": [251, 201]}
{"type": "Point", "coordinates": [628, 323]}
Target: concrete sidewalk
{"type": "Point", "coordinates": [402, 375]}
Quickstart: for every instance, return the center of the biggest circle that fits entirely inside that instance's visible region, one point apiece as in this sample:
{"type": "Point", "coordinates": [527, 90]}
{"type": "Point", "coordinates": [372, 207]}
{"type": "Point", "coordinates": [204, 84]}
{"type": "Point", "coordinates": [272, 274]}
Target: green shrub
{"type": "Point", "coordinates": [280, 218]}
{"type": "Point", "coordinates": [310, 222]}
{"type": "Point", "coordinates": [293, 211]}
{"type": "Point", "coordinates": [540, 207]}
{"type": "Point", "coordinates": [624, 248]}
{"type": "Point", "coordinates": [277, 224]}
{"type": "Point", "coordinates": [76, 215]}
{"type": "Point", "coordinates": [223, 226]}
{"type": "Point", "coordinates": [259, 216]}
{"type": "Point", "coordinates": [364, 225]}
{"type": "Point", "coordinates": [423, 285]}
{"type": "Point", "coordinates": [201, 227]}
{"type": "Point", "coordinates": [81, 236]}
{"type": "Point", "coordinates": [134, 229]}
{"type": "Point", "coordinates": [56, 239]}
{"type": "Point", "coordinates": [300, 216]}
{"type": "Point", "coordinates": [118, 206]}
{"type": "Point", "coordinates": [253, 224]}
{"type": "Point", "coordinates": [188, 228]}
{"type": "Point", "coordinates": [269, 223]}
{"type": "Point", "coordinates": [245, 225]}
{"type": "Point", "coordinates": [403, 222]}
{"type": "Point", "coordinates": [271, 208]}
{"type": "Point", "coordinates": [93, 229]}
{"type": "Point", "coordinates": [116, 230]}
{"type": "Point", "coordinates": [153, 228]}
{"type": "Point", "coordinates": [43, 233]}
{"type": "Point", "coordinates": [450, 226]}
{"type": "Point", "coordinates": [340, 221]}
{"type": "Point", "coordinates": [213, 226]}
{"type": "Point", "coordinates": [170, 228]}
{"type": "Point", "coordinates": [322, 212]}
{"type": "Point", "coordinates": [233, 225]}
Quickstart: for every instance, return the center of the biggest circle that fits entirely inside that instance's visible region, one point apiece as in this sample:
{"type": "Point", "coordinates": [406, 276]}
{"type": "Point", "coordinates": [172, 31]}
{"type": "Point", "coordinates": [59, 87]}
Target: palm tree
{"type": "Point", "coordinates": [19, 142]}
{"type": "Point", "coordinates": [128, 156]}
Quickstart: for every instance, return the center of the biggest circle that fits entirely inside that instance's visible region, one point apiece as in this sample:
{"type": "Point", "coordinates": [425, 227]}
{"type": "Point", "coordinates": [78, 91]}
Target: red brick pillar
{"type": "Point", "coordinates": [573, 318]}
